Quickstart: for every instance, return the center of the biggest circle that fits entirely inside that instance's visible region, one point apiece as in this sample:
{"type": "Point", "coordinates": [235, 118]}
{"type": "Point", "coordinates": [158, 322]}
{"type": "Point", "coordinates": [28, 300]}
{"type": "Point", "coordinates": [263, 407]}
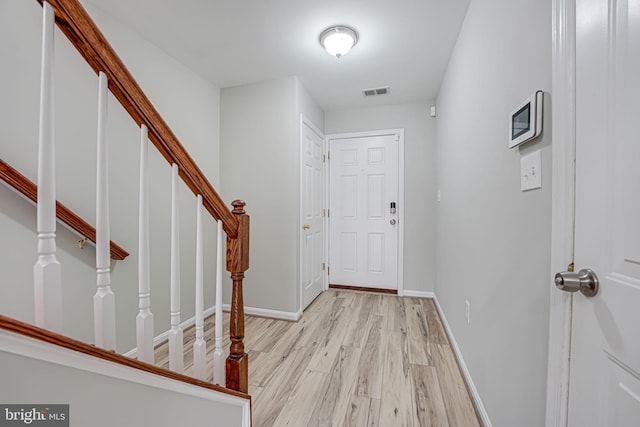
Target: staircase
{"type": "Point", "coordinates": [230, 383]}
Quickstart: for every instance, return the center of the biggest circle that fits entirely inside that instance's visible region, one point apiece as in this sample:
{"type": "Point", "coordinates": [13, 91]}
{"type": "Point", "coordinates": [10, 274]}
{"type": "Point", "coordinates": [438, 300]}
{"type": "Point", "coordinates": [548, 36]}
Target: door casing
{"type": "Point", "coordinates": [400, 207]}
{"type": "Point", "coordinates": [562, 206]}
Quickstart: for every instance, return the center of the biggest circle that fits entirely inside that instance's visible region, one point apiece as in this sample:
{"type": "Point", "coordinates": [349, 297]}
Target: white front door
{"type": "Point", "coordinates": [363, 229]}
{"type": "Point", "coordinates": [312, 223]}
{"type": "Point", "coordinates": [605, 351]}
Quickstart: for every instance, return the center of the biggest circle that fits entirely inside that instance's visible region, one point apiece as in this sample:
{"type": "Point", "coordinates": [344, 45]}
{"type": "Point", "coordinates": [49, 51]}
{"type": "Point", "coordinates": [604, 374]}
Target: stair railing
{"type": "Point", "coordinates": [29, 190]}
{"type": "Point", "coordinates": [72, 19]}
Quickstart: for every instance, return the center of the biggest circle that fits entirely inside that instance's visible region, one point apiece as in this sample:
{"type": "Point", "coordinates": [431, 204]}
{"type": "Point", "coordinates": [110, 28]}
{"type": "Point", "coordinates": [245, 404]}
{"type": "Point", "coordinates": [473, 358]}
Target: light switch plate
{"type": "Point", "coordinates": [531, 171]}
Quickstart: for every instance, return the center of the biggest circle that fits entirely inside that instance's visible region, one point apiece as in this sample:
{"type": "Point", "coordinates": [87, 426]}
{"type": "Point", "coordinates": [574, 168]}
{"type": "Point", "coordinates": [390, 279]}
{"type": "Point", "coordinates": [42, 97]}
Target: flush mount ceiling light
{"type": "Point", "coordinates": [338, 40]}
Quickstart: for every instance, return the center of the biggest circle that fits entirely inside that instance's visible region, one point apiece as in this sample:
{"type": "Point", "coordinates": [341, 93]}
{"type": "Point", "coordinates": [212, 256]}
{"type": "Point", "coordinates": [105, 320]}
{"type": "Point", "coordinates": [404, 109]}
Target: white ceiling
{"type": "Point", "coordinates": [404, 44]}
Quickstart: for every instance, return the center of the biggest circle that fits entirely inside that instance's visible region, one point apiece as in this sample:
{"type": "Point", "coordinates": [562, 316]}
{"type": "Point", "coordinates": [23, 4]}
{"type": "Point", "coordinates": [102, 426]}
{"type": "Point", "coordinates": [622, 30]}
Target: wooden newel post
{"type": "Point", "coordinates": [237, 264]}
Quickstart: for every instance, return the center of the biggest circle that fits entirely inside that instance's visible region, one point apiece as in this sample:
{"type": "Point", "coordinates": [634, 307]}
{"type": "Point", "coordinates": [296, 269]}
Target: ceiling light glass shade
{"type": "Point", "coordinates": [339, 40]}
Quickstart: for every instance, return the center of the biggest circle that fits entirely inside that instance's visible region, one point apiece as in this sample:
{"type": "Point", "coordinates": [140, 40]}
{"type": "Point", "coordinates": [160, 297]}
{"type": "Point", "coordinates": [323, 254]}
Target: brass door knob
{"type": "Point", "coordinates": [306, 227]}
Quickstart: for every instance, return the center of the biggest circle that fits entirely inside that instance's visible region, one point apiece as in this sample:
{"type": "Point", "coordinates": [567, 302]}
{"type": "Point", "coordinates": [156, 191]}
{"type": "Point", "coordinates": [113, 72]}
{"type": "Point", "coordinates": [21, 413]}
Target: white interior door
{"type": "Point", "coordinates": [605, 352]}
{"type": "Point", "coordinates": [363, 231]}
{"type": "Point", "coordinates": [312, 222]}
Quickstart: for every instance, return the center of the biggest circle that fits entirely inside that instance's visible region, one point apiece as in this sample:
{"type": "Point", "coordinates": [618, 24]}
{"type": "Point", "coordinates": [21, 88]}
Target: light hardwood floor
{"type": "Point", "coordinates": [353, 359]}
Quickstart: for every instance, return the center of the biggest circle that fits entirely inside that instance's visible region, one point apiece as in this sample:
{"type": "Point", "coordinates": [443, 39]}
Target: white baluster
{"type": "Point", "coordinates": [144, 320]}
{"type": "Point", "coordinates": [199, 346]}
{"type": "Point", "coordinates": [46, 272]}
{"type": "Point", "coordinates": [104, 301]}
{"type": "Point", "coordinates": [219, 370]}
{"type": "Point", "coordinates": [176, 359]}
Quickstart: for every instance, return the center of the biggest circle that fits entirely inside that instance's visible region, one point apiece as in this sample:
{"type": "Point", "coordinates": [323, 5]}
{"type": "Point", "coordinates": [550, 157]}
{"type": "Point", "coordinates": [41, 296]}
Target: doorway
{"type": "Point", "coordinates": [365, 210]}
{"type": "Point", "coordinates": [312, 212]}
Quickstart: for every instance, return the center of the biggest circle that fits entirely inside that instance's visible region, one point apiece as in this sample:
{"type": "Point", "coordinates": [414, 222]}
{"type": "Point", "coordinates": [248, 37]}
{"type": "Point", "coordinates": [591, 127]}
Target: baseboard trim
{"type": "Point", "coordinates": [272, 314]}
{"type": "Point", "coordinates": [418, 294]}
{"type": "Point", "coordinates": [475, 396]}
{"type": "Point", "coordinates": [165, 335]}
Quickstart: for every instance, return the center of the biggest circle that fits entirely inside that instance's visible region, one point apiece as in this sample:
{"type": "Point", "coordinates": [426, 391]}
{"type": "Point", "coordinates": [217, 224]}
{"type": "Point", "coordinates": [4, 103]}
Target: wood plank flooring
{"type": "Point", "coordinates": [353, 359]}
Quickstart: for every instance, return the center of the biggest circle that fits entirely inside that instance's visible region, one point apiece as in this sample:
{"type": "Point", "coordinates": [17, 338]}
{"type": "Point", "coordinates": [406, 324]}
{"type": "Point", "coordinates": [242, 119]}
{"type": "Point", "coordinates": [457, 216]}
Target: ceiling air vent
{"type": "Point", "coordinates": [376, 91]}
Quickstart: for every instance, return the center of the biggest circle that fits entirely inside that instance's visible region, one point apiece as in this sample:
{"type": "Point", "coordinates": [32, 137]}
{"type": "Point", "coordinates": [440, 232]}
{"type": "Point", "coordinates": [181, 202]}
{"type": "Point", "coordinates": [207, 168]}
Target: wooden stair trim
{"type": "Point", "coordinates": [40, 334]}
{"type": "Point", "coordinates": [74, 21]}
{"type": "Point", "coordinates": [29, 189]}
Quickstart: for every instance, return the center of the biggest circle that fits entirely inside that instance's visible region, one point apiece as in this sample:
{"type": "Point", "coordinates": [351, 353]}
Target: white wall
{"type": "Point", "coordinates": [306, 105]}
{"type": "Point", "coordinates": [419, 176]}
{"type": "Point", "coordinates": [188, 103]}
{"type": "Point", "coordinates": [493, 239]}
{"type": "Point", "coordinates": [259, 145]}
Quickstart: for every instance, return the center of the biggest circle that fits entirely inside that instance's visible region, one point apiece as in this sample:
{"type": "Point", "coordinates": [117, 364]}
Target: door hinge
{"type": "Point", "coordinates": [328, 155]}
{"type": "Point", "coordinates": [324, 213]}
{"type": "Point", "coordinates": [328, 213]}
{"type": "Point", "coordinates": [570, 267]}
{"type": "Point", "coordinates": [324, 266]}
{"type": "Point", "coordinates": [328, 270]}
{"type": "Point", "coordinates": [324, 158]}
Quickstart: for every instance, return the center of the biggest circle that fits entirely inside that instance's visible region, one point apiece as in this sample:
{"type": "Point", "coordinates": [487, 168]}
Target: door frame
{"type": "Point", "coordinates": [563, 100]}
{"type": "Point", "coordinates": [384, 132]}
{"type": "Point", "coordinates": [305, 121]}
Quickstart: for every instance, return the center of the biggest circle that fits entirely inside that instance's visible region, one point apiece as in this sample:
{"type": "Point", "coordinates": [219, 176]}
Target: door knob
{"type": "Point", "coordinates": [584, 281]}
{"type": "Point", "coordinates": [392, 222]}
{"type": "Point", "coordinates": [306, 227]}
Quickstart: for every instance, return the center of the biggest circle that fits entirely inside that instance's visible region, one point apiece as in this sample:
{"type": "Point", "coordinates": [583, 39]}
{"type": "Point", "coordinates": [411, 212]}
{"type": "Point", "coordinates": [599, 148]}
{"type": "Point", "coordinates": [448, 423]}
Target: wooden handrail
{"type": "Point", "coordinates": [44, 335]}
{"type": "Point", "coordinates": [29, 189]}
{"type": "Point", "coordinates": [74, 21]}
